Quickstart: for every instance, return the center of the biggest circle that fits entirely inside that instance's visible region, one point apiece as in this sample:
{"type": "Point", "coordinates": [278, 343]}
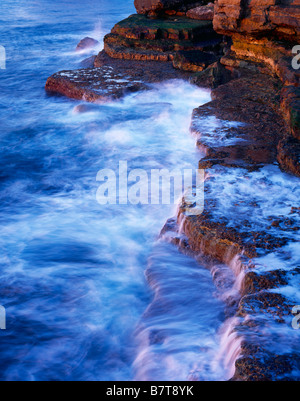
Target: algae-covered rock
{"type": "Point", "coordinates": [146, 39]}
{"type": "Point", "coordinates": [171, 27]}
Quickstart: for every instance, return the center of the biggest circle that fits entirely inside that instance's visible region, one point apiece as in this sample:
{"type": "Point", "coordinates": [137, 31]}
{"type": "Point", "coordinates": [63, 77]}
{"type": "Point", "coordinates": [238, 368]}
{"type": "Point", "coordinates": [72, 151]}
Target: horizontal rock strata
{"type": "Point", "coordinates": [190, 44]}
{"type": "Point", "coordinates": [264, 35]}
{"type": "Point", "coordinates": [142, 38]}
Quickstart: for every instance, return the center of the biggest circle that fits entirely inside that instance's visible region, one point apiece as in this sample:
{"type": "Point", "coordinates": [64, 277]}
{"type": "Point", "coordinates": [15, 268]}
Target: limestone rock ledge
{"type": "Point", "coordinates": [142, 38]}
{"type": "Point", "coordinates": [110, 79]}
{"type": "Point", "coordinates": [93, 84]}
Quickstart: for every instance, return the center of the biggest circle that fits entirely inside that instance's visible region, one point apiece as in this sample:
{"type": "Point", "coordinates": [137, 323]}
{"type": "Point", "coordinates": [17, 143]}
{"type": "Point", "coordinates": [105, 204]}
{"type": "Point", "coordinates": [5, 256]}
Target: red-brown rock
{"type": "Point", "coordinates": [202, 13]}
{"type": "Point", "coordinates": [156, 6]}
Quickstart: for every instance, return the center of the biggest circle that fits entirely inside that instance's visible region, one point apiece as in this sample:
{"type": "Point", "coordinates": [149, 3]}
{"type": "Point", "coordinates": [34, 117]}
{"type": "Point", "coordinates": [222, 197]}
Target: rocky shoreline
{"type": "Point", "coordinates": [243, 52]}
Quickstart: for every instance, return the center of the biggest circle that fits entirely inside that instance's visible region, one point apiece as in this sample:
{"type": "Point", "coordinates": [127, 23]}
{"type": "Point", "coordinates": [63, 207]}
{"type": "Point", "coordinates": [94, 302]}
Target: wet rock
{"type": "Point", "coordinates": [269, 56]}
{"type": "Point", "coordinates": [160, 50]}
{"type": "Point", "coordinates": [290, 105]}
{"type": "Point", "coordinates": [255, 282]}
{"type": "Point", "coordinates": [213, 76]}
{"type": "Point", "coordinates": [289, 147]}
{"type": "Point", "coordinates": [110, 79]}
{"type": "Point", "coordinates": [250, 141]}
{"type": "Point", "coordinates": [265, 366]}
{"type": "Point", "coordinates": [288, 155]}
{"type": "Point", "coordinates": [254, 99]}
{"type": "Point", "coordinates": [87, 44]}
{"type": "Point", "coordinates": [269, 349]}
{"type": "Point", "coordinates": [193, 61]}
{"type": "Point", "coordinates": [170, 226]}
{"type": "Point", "coordinates": [88, 62]}
{"type": "Point", "coordinates": [240, 132]}
{"type": "Point", "coordinates": [265, 302]}
{"type": "Point", "coordinates": [114, 47]}
{"type": "Point", "coordinates": [93, 84]}
{"type": "Point", "coordinates": [243, 137]}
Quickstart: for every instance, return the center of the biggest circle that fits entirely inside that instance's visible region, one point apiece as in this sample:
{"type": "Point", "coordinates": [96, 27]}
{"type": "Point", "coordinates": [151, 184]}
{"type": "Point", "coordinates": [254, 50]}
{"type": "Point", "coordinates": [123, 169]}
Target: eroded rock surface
{"type": "Point", "coordinates": [110, 79]}
{"type": "Point", "coordinates": [93, 84]}
{"type": "Point", "coordinates": [264, 35]}
{"type": "Point", "coordinates": [251, 221]}
{"type": "Point", "coordinates": [262, 18]}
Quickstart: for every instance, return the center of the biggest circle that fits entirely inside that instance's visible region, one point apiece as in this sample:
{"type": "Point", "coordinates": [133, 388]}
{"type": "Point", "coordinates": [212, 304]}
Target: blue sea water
{"type": "Point", "coordinates": [79, 303]}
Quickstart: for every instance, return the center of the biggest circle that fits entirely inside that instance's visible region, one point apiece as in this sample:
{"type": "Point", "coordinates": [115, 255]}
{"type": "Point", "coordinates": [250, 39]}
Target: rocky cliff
{"type": "Point", "coordinates": [264, 34]}
{"type": "Point", "coordinates": [259, 18]}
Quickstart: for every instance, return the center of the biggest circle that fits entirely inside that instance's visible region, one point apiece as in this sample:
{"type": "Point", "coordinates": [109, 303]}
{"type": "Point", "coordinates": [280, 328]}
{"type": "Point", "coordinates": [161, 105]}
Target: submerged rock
{"type": "Point", "coordinates": [86, 44]}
